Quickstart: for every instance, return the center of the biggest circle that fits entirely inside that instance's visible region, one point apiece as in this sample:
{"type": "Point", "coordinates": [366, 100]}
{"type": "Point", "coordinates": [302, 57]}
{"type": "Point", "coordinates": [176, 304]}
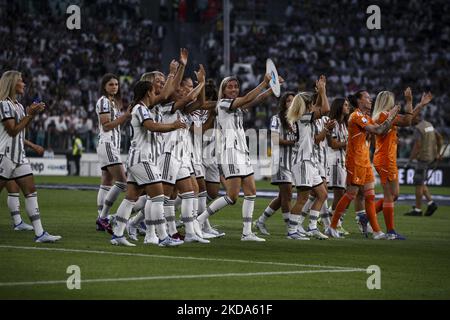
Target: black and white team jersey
{"type": "Point", "coordinates": [305, 142]}
{"type": "Point", "coordinates": [103, 106]}
{"type": "Point", "coordinates": [340, 133]}
{"type": "Point", "coordinates": [12, 147]}
{"type": "Point", "coordinates": [198, 118]}
{"type": "Point", "coordinates": [176, 142]}
{"type": "Point", "coordinates": [320, 150]}
{"type": "Point", "coordinates": [211, 138]}
{"type": "Point", "coordinates": [144, 143]}
{"type": "Point", "coordinates": [284, 153]}
{"type": "Point", "coordinates": [231, 125]}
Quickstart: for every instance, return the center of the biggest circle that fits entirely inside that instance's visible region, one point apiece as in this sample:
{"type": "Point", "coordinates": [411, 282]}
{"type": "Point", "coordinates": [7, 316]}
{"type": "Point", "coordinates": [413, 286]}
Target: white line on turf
{"type": "Point", "coordinates": [178, 277]}
{"type": "Point", "coordinates": [178, 257]}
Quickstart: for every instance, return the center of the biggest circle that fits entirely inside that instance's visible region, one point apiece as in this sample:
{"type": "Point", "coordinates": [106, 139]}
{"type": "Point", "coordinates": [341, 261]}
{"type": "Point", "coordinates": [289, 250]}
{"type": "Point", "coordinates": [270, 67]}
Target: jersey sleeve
{"type": "Point", "coordinates": [104, 106]}
{"type": "Point", "coordinates": [275, 124]}
{"type": "Point", "coordinates": [307, 118]}
{"type": "Point", "coordinates": [143, 114]}
{"type": "Point", "coordinates": [360, 119]}
{"type": "Point", "coordinates": [166, 108]}
{"type": "Point", "coordinates": [5, 111]}
{"type": "Point", "coordinates": [226, 104]}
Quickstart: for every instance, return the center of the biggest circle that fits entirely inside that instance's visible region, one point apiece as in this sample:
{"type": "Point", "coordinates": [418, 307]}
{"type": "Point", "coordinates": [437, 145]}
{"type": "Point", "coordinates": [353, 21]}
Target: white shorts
{"type": "Point", "coordinates": [143, 173]}
{"type": "Point", "coordinates": [322, 171]}
{"type": "Point", "coordinates": [172, 169]}
{"type": "Point", "coordinates": [11, 171]}
{"type": "Point", "coordinates": [212, 173]}
{"type": "Point", "coordinates": [306, 174]}
{"type": "Point", "coordinates": [337, 176]}
{"type": "Point", "coordinates": [235, 163]}
{"type": "Point", "coordinates": [108, 155]}
{"type": "Point", "coordinates": [199, 171]}
{"type": "Point", "coordinates": [281, 175]}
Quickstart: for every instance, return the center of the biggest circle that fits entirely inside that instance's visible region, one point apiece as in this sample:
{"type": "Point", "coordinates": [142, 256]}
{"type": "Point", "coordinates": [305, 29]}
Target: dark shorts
{"type": "Point", "coordinates": [421, 173]}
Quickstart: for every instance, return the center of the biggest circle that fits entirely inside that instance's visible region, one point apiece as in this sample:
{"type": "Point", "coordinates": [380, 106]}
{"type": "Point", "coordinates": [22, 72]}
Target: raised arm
{"type": "Point", "coordinates": [384, 127]}
{"type": "Point", "coordinates": [426, 98]}
{"type": "Point", "coordinates": [190, 97]}
{"type": "Point", "coordinates": [249, 97]}
{"type": "Point", "coordinates": [322, 105]}
{"type": "Point", "coordinates": [11, 127]}
{"type": "Point", "coordinates": [201, 97]}
{"type": "Point", "coordinates": [405, 120]}
{"type": "Point", "coordinates": [169, 86]}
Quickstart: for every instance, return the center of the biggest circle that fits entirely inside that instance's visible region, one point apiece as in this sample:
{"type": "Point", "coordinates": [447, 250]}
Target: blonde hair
{"type": "Point", "coordinates": [384, 102]}
{"type": "Point", "coordinates": [299, 106]}
{"type": "Point", "coordinates": [8, 83]}
{"type": "Point", "coordinates": [224, 83]}
{"type": "Point", "coordinates": [150, 76]}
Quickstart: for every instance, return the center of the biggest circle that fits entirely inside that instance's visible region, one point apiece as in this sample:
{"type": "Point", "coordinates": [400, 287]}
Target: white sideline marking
{"type": "Point", "coordinates": [180, 257]}
{"type": "Point", "coordinates": [177, 277]}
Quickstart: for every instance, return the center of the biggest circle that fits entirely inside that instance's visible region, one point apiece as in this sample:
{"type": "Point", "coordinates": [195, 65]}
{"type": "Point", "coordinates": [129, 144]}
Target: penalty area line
{"type": "Point", "coordinates": [156, 256]}
{"type": "Point", "coordinates": [178, 277]}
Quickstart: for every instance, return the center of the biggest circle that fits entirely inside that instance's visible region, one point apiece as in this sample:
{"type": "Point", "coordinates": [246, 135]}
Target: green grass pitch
{"type": "Point", "coordinates": [224, 269]}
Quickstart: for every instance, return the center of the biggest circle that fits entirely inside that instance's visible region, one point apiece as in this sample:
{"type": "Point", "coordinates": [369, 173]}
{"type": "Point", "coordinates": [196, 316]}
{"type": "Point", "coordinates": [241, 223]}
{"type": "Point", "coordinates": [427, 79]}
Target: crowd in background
{"type": "Point", "coordinates": [63, 67]}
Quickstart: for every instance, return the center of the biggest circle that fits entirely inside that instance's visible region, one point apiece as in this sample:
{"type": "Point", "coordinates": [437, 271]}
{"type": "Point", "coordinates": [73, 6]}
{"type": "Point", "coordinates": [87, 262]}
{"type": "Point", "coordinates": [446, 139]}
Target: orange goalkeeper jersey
{"type": "Point", "coordinates": [357, 145]}
{"type": "Point", "coordinates": [386, 145]}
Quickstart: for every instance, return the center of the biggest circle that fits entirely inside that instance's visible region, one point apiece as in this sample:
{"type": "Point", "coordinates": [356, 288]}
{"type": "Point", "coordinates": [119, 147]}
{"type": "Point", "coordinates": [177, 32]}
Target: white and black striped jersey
{"type": "Point", "coordinates": [320, 149]}
{"type": "Point", "coordinates": [12, 147]}
{"type": "Point", "coordinates": [305, 141]}
{"type": "Point", "coordinates": [144, 143]}
{"type": "Point", "coordinates": [106, 106]}
{"type": "Point", "coordinates": [198, 118]}
{"type": "Point", "coordinates": [282, 154]}
{"type": "Point", "coordinates": [340, 133]}
{"type": "Point", "coordinates": [211, 138]}
{"type": "Point", "coordinates": [176, 141]}
{"type": "Point", "coordinates": [231, 125]}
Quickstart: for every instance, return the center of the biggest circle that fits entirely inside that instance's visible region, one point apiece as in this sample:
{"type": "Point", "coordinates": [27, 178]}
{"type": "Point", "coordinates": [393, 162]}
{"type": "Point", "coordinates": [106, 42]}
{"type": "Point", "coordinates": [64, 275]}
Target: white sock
{"type": "Point", "coordinates": [177, 202]}
{"type": "Point", "coordinates": [430, 202]}
{"type": "Point", "coordinates": [157, 216]}
{"type": "Point", "coordinates": [247, 213]}
{"type": "Point", "coordinates": [215, 206]}
{"type": "Point", "coordinates": [123, 214]}
{"type": "Point", "coordinates": [325, 215]}
{"type": "Point", "coordinates": [308, 204]}
{"type": "Point", "coordinates": [138, 218]}
{"type": "Point", "coordinates": [201, 202]}
{"type": "Point", "coordinates": [149, 223]}
{"type": "Point", "coordinates": [341, 219]}
{"type": "Point", "coordinates": [302, 217]}
{"type": "Point", "coordinates": [268, 212]}
{"type": "Point", "coordinates": [187, 205]}
{"type": "Point", "coordinates": [195, 206]}
{"type": "Point", "coordinates": [286, 217]}
{"type": "Point", "coordinates": [101, 195]}
{"type": "Point", "coordinates": [32, 209]}
{"type": "Point", "coordinates": [293, 222]}
{"type": "Point", "coordinates": [313, 217]}
{"type": "Point", "coordinates": [138, 206]}
{"type": "Point", "coordinates": [169, 213]}
{"type": "Point", "coordinates": [112, 196]}
{"type": "Point", "coordinates": [14, 207]}
{"type": "Point", "coordinates": [418, 210]}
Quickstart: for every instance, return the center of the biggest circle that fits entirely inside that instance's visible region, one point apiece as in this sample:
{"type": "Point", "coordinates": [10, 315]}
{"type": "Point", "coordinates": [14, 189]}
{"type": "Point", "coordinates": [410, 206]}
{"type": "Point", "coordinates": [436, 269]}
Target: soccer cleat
{"type": "Point", "coordinates": [194, 238]}
{"type": "Point", "coordinates": [413, 213]}
{"type": "Point", "coordinates": [303, 231]}
{"type": "Point", "coordinates": [132, 231]}
{"type": "Point", "coordinates": [296, 236]}
{"type": "Point", "coordinates": [207, 235]}
{"type": "Point", "coordinates": [431, 209]}
{"type": "Point", "coordinates": [121, 241]}
{"type": "Point", "coordinates": [332, 233]}
{"type": "Point", "coordinates": [211, 231]}
{"type": "Point", "coordinates": [104, 223]}
{"type": "Point", "coordinates": [177, 236]}
{"type": "Point", "coordinates": [197, 228]}
{"type": "Point", "coordinates": [46, 237]}
{"type": "Point", "coordinates": [261, 226]}
{"type": "Point", "coordinates": [392, 235]}
{"type": "Point", "coordinates": [151, 239]}
{"type": "Point", "coordinates": [342, 231]}
{"type": "Point", "coordinates": [252, 237]}
{"type": "Point", "coordinates": [380, 235]}
{"type": "Point", "coordinates": [22, 226]}
{"type": "Point", "coordinates": [141, 228]}
{"type": "Point", "coordinates": [317, 234]}
{"type": "Point", "coordinates": [169, 242]}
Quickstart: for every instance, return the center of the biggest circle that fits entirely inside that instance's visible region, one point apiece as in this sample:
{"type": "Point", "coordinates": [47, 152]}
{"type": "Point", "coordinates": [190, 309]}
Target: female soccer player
{"type": "Point", "coordinates": [108, 148]}
{"type": "Point", "coordinates": [13, 163]}
{"type": "Point", "coordinates": [385, 157]}
{"type": "Point", "coordinates": [304, 168]}
{"type": "Point", "coordinates": [283, 137]}
{"type": "Point", "coordinates": [359, 169]}
{"type": "Point", "coordinates": [143, 174]}
{"type": "Point", "coordinates": [233, 156]}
